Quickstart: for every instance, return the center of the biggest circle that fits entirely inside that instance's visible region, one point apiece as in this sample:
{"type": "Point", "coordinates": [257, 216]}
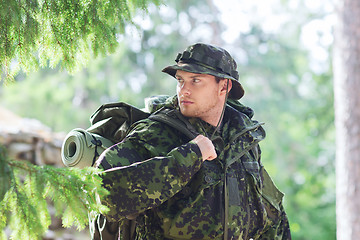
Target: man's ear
{"type": "Point", "coordinates": [226, 84]}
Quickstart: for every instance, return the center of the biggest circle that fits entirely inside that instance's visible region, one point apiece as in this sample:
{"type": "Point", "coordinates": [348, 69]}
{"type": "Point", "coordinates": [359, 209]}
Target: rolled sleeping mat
{"type": "Point", "coordinates": [80, 147]}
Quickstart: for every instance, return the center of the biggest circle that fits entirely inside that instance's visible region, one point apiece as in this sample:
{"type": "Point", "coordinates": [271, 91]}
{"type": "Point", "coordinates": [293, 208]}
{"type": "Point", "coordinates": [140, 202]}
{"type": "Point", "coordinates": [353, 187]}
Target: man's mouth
{"type": "Point", "coordinates": [186, 102]}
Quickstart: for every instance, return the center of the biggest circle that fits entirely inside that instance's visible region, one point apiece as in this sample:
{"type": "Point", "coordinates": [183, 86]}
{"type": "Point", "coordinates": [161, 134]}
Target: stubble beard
{"type": "Point", "coordinates": [202, 112]}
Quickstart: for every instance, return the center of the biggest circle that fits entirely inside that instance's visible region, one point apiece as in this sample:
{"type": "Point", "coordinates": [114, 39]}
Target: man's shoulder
{"type": "Point", "coordinates": [239, 122]}
{"type": "Point", "coordinates": [165, 125]}
{"type": "Point", "coordinates": [236, 116]}
{"type": "Point", "coordinates": [146, 124]}
{"type": "Point", "coordinates": [239, 107]}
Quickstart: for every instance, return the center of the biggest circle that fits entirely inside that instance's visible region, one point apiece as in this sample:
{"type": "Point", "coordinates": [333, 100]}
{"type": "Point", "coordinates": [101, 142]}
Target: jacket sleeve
{"type": "Point", "coordinates": [147, 169]}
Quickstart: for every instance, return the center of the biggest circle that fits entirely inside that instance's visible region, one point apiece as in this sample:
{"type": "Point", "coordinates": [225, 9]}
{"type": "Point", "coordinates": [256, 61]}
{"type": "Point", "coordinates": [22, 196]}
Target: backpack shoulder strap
{"type": "Point", "coordinates": [174, 119]}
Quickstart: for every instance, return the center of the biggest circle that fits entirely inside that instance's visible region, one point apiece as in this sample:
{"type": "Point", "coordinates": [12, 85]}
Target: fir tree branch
{"type": "Point", "coordinates": [73, 192]}
{"type": "Point", "coordinates": [73, 30]}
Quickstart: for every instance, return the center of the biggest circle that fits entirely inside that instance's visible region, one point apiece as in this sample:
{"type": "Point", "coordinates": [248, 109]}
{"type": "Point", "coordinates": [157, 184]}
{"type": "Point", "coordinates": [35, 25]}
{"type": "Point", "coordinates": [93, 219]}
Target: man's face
{"type": "Point", "coordinates": [198, 95]}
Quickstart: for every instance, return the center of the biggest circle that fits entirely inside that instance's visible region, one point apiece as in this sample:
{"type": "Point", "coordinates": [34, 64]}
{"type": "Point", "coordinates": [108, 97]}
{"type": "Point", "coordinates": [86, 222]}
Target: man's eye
{"type": "Point", "coordinates": [195, 80]}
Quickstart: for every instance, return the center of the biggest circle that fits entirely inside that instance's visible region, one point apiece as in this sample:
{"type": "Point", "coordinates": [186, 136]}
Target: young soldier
{"type": "Point", "coordinates": [211, 187]}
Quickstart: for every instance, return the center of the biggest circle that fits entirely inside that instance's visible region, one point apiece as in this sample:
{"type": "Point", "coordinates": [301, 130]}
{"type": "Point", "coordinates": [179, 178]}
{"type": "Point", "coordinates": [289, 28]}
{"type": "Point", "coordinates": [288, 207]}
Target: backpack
{"type": "Point", "coordinates": [113, 121]}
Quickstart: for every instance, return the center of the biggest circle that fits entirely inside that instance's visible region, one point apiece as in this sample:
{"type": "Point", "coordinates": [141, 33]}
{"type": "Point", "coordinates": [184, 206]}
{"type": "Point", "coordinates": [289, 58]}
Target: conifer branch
{"type": "Point", "coordinates": [26, 189]}
{"type": "Point", "coordinates": [72, 30]}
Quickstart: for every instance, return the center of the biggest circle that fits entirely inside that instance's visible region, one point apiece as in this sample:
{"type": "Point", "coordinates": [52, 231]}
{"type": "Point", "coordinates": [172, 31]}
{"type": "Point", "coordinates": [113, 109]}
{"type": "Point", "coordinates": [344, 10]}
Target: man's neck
{"type": "Point", "coordinates": [215, 117]}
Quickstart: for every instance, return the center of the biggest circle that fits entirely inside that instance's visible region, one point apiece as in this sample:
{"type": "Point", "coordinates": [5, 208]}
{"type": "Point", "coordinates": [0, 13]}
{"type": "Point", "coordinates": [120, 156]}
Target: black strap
{"type": "Point", "coordinates": [104, 163]}
{"type": "Point", "coordinates": [176, 120]}
{"type": "Point", "coordinates": [97, 143]}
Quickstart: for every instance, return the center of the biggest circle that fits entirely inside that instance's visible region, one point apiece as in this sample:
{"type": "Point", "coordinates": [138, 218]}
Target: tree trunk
{"type": "Point", "coordinates": [347, 118]}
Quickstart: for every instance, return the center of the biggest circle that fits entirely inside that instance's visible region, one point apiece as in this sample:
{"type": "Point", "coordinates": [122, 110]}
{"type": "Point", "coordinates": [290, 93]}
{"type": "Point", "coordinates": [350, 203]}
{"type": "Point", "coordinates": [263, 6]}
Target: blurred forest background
{"type": "Point", "coordinates": [283, 51]}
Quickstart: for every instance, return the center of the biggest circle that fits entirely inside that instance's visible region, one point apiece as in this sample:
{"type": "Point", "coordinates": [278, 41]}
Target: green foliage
{"type": "Point", "coordinates": [73, 192]}
{"type": "Point", "coordinates": [46, 32]}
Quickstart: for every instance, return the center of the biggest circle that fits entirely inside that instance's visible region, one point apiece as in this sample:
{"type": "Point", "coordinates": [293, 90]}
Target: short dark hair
{"type": "Point", "coordinates": [218, 79]}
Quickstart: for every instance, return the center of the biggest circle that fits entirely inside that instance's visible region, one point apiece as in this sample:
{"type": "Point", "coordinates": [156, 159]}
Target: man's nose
{"type": "Point", "coordinates": [184, 88]}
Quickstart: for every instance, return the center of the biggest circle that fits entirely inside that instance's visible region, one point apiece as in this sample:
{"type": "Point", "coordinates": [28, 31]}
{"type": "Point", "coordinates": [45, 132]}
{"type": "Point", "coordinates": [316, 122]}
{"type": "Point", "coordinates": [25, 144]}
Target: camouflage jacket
{"type": "Point", "coordinates": [158, 175]}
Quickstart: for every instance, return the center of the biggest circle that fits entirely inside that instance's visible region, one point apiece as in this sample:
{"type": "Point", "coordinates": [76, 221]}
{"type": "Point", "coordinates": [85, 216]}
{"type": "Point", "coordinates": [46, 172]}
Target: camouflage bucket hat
{"type": "Point", "coordinates": [208, 59]}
